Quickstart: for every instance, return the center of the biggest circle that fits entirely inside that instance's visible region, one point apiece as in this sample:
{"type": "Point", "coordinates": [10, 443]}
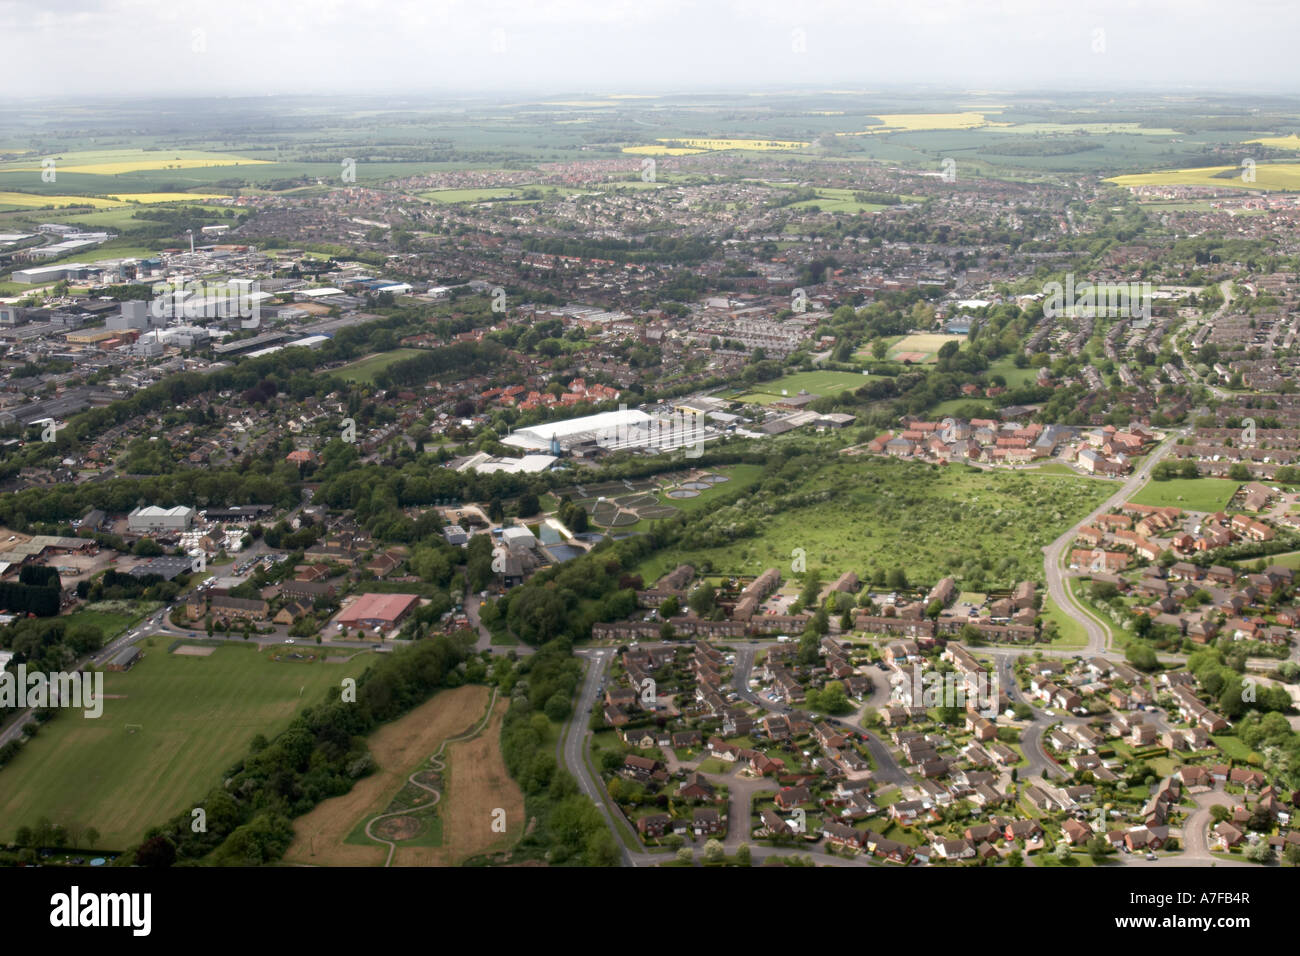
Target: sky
{"type": "Point", "coordinates": [80, 48]}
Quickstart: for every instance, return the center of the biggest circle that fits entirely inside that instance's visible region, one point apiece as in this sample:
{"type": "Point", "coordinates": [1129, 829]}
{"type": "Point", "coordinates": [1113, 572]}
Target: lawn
{"type": "Point", "coordinates": [1290, 559]}
{"type": "Point", "coordinates": [364, 370]}
{"type": "Point", "coordinates": [195, 717]}
{"type": "Point", "coordinates": [1014, 376]}
{"type": "Point", "coordinates": [1190, 494]}
{"type": "Point", "coordinates": [986, 528]}
{"type": "Point", "coordinates": [1232, 746]}
{"type": "Point", "coordinates": [815, 383]}
{"type": "Point", "coordinates": [1072, 633]}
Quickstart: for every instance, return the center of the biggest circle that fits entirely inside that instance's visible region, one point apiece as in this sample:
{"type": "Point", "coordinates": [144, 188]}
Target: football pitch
{"type": "Point", "coordinates": [815, 383]}
{"type": "Point", "coordinates": [171, 726]}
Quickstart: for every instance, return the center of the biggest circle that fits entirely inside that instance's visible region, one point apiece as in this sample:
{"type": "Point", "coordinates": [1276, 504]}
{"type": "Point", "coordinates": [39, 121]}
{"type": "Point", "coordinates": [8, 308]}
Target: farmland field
{"type": "Point", "coordinates": [746, 144]}
{"type": "Point", "coordinates": [986, 528]}
{"type": "Point", "coordinates": [1267, 176]}
{"type": "Point", "coordinates": [116, 162]}
{"type": "Point", "coordinates": [659, 149]}
{"type": "Point", "coordinates": [1190, 494]}
{"type": "Point", "coordinates": [117, 201]}
{"type": "Point", "coordinates": [1291, 141]}
{"type": "Point", "coordinates": [907, 122]}
{"type": "Point", "coordinates": [196, 716]}
{"type": "Point", "coordinates": [816, 383]}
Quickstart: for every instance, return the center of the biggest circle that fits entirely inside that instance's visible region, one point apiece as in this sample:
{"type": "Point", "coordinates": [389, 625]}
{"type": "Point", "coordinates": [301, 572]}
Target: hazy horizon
{"type": "Point", "coordinates": [235, 48]}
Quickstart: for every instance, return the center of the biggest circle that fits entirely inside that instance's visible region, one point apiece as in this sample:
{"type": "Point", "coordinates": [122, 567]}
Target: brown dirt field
{"type": "Point", "coordinates": [398, 748]}
{"type": "Point", "coordinates": [192, 650]}
{"type": "Point", "coordinates": [478, 785]}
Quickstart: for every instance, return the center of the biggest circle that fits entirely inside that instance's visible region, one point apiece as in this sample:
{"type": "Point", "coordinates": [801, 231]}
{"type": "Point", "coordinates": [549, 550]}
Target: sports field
{"type": "Point", "coordinates": [364, 370]}
{"type": "Point", "coordinates": [815, 383]}
{"type": "Point", "coordinates": [1190, 494]}
{"type": "Point", "coordinates": [194, 717]}
{"type": "Point", "coordinates": [921, 347]}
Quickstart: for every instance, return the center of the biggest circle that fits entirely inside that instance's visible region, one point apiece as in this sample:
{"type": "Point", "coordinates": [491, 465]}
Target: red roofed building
{"type": "Point", "coordinates": [378, 610]}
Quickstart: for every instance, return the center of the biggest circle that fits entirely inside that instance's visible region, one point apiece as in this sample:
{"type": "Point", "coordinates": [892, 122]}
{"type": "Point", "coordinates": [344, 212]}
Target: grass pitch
{"type": "Point", "coordinates": [815, 383]}
{"type": "Point", "coordinates": [196, 717]}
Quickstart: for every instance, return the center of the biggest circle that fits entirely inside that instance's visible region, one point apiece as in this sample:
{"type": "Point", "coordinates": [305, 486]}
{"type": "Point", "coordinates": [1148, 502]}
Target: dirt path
{"type": "Point", "coordinates": [320, 836]}
{"type": "Point", "coordinates": [438, 766]}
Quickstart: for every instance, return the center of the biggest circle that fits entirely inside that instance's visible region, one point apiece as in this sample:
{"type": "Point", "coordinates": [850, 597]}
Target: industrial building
{"type": "Point", "coordinates": [154, 519]}
{"type": "Point", "coordinates": [68, 270]}
{"type": "Point", "coordinates": [624, 429]}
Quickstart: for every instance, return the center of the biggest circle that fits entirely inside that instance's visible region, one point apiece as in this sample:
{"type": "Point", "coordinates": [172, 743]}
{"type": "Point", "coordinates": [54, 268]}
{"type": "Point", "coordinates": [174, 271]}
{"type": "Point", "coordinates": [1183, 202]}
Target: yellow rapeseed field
{"type": "Point", "coordinates": [115, 162]}
{"type": "Point", "coordinates": [34, 201]}
{"type": "Point", "coordinates": [1267, 176]}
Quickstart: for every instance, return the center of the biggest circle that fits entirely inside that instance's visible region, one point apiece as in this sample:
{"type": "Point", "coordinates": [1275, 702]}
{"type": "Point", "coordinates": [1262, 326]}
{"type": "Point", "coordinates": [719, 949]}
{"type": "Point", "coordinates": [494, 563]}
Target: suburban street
{"type": "Point", "coordinates": [1054, 554]}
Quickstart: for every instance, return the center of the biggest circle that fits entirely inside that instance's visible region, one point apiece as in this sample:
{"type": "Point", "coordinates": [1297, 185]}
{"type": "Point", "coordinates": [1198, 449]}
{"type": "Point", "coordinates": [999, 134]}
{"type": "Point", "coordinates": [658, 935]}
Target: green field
{"type": "Point", "coordinates": [816, 383]}
{"type": "Point", "coordinates": [196, 716]}
{"type": "Point", "coordinates": [1006, 367]}
{"type": "Point", "coordinates": [111, 617]}
{"type": "Point", "coordinates": [1190, 494]}
{"type": "Point", "coordinates": [1072, 633]}
{"type": "Point", "coordinates": [1290, 559]}
{"type": "Point", "coordinates": [365, 370]}
{"type": "Point", "coordinates": [986, 528]}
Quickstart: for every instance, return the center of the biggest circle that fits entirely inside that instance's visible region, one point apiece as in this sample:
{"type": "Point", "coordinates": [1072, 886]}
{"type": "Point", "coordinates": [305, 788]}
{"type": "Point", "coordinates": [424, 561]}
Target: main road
{"type": "Point", "coordinates": [1053, 554]}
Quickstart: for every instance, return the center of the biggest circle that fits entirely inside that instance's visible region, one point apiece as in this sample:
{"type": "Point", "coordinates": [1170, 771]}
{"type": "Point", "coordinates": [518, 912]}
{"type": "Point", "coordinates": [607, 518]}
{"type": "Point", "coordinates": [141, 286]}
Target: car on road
{"type": "Point", "coordinates": [289, 641]}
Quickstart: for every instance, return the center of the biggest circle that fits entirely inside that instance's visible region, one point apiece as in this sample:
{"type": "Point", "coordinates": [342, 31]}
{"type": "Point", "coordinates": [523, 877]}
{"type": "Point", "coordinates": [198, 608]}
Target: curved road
{"type": "Point", "coordinates": [1053, 554]}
